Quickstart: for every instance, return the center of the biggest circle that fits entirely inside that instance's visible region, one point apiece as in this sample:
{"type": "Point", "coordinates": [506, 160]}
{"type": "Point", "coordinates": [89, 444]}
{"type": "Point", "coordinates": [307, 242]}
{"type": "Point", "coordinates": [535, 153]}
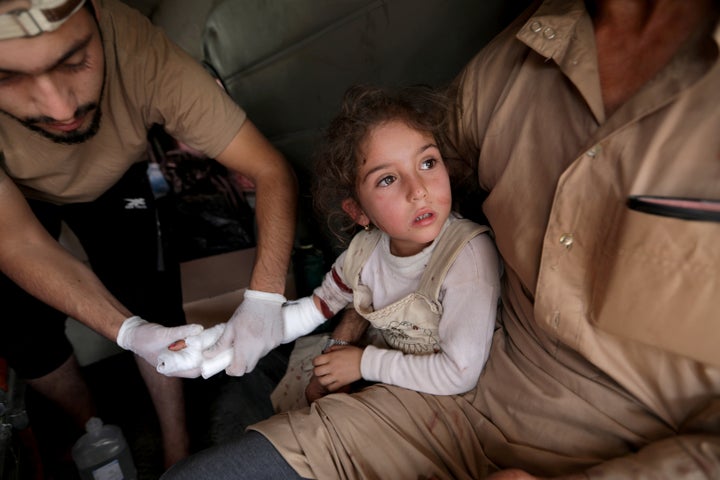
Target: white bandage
{"type": "Point", "coordinates": [300, 318]}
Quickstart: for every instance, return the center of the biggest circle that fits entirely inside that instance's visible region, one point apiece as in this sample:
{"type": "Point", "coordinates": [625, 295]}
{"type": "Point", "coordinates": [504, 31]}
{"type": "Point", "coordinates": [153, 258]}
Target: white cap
{"type": "Point", "coordinates": [28, 18]}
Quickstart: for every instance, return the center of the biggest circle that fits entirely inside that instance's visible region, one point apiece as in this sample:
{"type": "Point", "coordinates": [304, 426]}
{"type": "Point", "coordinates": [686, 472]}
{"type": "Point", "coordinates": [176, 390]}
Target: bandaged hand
{"type": "Point", "coordinates": [253, 330]}
{"type": "Point", "coordinates": [189, 362]}
{"type": "Point", "coordinates": [151, 339]}
{"type": "Point", "coordinates": [300, 318]}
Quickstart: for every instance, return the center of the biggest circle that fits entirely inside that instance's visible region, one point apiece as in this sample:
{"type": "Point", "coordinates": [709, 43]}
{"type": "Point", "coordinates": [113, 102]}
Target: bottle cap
{"type": "Point", "coordinates": [94, 425]}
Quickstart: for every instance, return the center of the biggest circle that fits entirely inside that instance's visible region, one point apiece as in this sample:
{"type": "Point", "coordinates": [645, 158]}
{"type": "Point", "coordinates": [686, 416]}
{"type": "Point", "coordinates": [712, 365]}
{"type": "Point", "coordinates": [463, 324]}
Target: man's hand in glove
{"type": "Point", "coordinates": [151, 339]}
{"type": "Point", "coordinates": [254, 329]}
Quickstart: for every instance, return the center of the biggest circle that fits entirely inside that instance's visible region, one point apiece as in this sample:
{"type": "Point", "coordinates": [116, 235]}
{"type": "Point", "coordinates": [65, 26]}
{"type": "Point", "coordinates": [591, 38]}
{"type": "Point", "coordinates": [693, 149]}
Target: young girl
{"type": "Point", "coordinates": [426, 280]}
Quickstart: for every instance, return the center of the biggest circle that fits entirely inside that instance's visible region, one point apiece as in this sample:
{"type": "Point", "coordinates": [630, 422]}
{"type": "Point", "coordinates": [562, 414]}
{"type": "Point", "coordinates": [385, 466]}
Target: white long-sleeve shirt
{"type": "Point", "coordinates": [469, 296]}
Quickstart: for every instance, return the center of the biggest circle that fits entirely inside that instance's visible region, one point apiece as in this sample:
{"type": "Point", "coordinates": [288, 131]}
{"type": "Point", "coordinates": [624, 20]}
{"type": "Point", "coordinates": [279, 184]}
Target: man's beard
{"type": "Point", "coordinates": [67, 138]}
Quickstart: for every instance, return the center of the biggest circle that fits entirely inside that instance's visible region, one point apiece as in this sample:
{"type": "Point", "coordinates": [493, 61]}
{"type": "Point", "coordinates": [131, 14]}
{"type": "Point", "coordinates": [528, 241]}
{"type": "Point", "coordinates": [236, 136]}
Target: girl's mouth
{"type": "Point", "coordinates": [423, 217]}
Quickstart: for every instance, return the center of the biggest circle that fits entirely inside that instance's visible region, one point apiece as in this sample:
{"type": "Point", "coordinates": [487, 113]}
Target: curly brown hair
{"type": "Point", "coordinates": [364, 107]}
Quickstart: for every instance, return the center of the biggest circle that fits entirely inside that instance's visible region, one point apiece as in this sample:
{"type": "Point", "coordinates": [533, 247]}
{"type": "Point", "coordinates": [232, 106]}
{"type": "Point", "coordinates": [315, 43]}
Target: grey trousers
{"type": "Point", "coordinates": [251, 457]}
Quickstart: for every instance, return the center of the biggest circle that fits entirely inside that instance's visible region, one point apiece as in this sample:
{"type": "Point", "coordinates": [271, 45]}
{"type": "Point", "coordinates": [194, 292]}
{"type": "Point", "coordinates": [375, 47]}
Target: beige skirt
{"type": "Point", "coordinates": [550, 422]}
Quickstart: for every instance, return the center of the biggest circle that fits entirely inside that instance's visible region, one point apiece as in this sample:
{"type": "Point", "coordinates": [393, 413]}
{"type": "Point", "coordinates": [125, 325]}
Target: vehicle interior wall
{"type": "Point", "coordinates": [288, 62]}
{"type": "Point", "coordinates": [290, 69]}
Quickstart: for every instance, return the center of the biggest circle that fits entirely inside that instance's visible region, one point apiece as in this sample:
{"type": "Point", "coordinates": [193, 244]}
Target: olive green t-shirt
{"type": "Point", "coordinates": [148, 80]}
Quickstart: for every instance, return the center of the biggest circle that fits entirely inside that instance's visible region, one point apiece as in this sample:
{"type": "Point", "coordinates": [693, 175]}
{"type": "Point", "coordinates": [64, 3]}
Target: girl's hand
{"type": "Point", "coordinates": [339, 367]}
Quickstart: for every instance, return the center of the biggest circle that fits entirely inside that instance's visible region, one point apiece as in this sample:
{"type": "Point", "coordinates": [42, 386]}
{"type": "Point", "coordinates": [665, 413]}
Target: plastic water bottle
{"type": "Point", "coordinates": [158, 183]}
{"type": "Point", "coordinates": [103, 454]}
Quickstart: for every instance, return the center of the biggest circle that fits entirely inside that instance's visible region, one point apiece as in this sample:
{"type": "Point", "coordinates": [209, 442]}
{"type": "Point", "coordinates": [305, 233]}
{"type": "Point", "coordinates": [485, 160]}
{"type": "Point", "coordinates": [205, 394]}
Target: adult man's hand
{"type": "Point", "coordinates": [151, 339]}
{"type": "Point", "coordinates": [254, 329]}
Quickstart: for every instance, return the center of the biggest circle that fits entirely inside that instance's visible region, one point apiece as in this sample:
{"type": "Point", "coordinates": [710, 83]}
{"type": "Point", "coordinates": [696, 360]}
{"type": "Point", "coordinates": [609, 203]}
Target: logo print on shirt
{"type": "Point", "coordinates": [135, 204]}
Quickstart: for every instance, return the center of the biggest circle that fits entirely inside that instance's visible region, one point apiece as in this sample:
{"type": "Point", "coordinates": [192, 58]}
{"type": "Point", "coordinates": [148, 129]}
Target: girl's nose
{"type": "Point", "coordinates": [417, 191]}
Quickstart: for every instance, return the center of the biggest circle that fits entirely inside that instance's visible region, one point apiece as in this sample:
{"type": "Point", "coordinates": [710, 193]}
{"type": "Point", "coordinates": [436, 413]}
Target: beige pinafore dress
{"type": "Point", "coordinates": [410, 324]}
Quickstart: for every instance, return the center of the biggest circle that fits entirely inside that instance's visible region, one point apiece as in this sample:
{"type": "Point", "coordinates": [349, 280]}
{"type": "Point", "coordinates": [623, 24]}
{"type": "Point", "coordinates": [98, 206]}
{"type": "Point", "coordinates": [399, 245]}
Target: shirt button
{"type": "Point", "coordinates": [536, 26]}
{"type": "Point", "coordinates": [566, 240]}
{"type": "Point", "coordinates": [549, 33]}
{"type": "Point", "coordinates": [593, 152]}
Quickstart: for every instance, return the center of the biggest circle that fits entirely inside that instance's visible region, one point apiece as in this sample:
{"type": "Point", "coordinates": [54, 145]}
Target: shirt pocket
{"type": "Point", "coordinates": [657, 281]}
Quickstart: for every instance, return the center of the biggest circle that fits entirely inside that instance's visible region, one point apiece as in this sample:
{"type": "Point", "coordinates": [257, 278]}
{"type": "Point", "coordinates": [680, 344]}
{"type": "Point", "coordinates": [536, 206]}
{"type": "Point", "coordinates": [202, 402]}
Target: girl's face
{"type": "Point", "coordinates": [402, 187]}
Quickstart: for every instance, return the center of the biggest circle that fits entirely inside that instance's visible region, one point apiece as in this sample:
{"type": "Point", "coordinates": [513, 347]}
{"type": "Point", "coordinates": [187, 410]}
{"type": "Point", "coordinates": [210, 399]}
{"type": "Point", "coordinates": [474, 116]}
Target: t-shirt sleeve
{"type": "Point", "coordinates": [334, 292]}
{"type": "Point", "coordinates": [167, 85]}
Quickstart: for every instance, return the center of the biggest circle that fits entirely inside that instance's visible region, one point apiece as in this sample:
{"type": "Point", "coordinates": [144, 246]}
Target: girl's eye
{"type": "Point", "coordinates": [385, 181]}
{"type": "Point", "coordinates": [428, 164]}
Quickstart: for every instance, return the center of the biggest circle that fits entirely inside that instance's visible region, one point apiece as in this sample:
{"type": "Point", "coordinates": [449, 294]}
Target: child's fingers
{"type": "Point", "coordinates": [320, 360]}
{"type": "Point", "coordinates": [321, 371]}
{"type": "Point", "coordinates": [326, 381]}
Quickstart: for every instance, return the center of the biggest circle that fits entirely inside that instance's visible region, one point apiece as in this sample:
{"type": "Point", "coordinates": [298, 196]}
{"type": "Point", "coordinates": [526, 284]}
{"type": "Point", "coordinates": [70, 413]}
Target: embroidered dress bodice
{"type": "Point", "coordinates": [409, 324]}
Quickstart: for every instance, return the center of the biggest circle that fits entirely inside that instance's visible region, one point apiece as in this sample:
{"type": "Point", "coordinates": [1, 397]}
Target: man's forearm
{"type": "Point", "coordinates": [58, 279]}
{"type": "Point", "coordinates": [275, 215]}
{"type": "Point", "coordinates": [351, 328]}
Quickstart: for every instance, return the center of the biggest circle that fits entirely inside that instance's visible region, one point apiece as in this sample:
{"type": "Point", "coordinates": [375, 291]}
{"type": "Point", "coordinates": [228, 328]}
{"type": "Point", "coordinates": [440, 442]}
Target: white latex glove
{"type": "Point", "coordinates": [253, 330]}
{"type": "Point", "coordinates": [151, 339]}
{"type": "Point", "coordinates": [190, 362]}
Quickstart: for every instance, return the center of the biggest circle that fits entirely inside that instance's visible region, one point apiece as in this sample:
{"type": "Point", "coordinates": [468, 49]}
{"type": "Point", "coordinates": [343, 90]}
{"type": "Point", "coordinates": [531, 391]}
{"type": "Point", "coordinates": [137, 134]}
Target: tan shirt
{"type": "Point", "coordinates": [607, 359]}
{"type": "Point", "coordinates": [596, 292]}
{"type": "Point", "coordinates": [148, 80]}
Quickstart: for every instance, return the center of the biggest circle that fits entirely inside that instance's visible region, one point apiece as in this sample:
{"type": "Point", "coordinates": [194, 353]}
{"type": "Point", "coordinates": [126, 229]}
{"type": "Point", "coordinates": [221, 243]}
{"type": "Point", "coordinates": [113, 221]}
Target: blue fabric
{"type": "Point", "coordinates": [250, 457]}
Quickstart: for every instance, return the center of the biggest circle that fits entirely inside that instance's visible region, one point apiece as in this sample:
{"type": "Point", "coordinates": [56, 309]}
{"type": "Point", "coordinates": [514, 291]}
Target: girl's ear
{"type": "Point", "coordinates": [351, 207]}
